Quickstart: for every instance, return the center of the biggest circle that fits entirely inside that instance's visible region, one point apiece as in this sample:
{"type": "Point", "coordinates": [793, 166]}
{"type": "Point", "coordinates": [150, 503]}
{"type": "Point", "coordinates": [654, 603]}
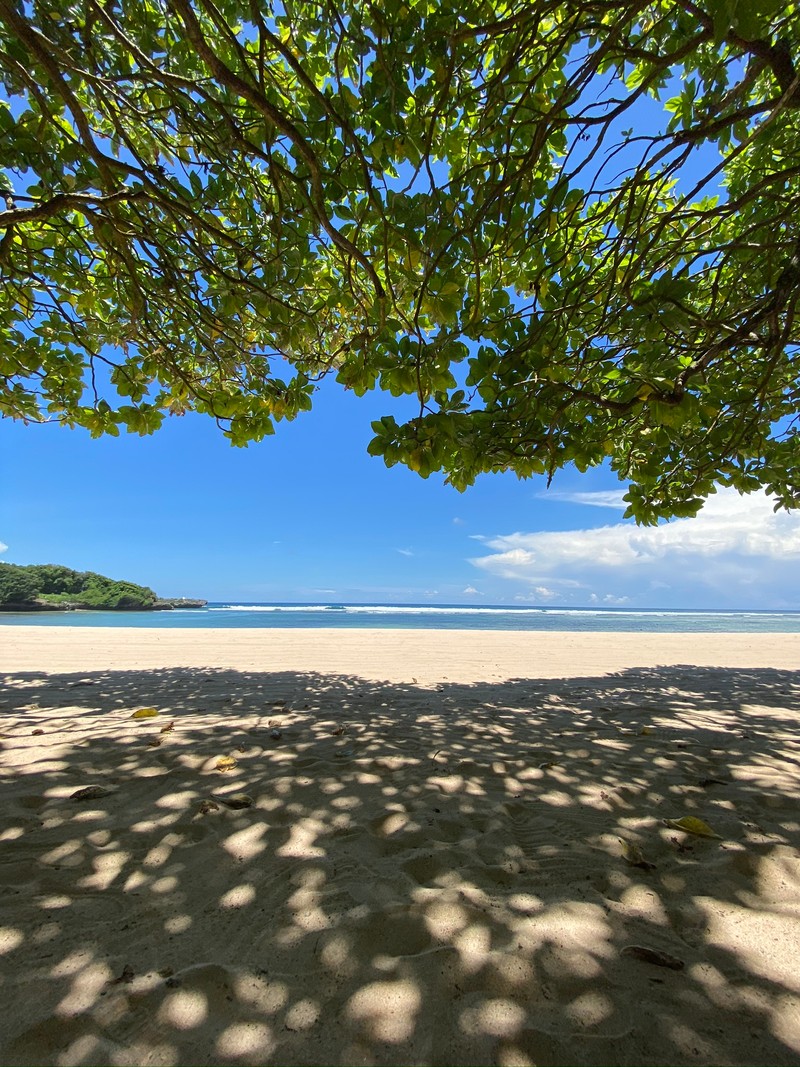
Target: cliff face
{"type": "Point", "coordinates": [76, 605]}
{"type": "Point", "coordinates": [28, 605]}
{"type": "Point", "coordinates": [178, 602]}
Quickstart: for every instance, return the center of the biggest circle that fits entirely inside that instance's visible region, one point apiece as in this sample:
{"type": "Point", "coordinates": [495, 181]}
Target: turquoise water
{"type": "Point", "coordinates": [424, 616]}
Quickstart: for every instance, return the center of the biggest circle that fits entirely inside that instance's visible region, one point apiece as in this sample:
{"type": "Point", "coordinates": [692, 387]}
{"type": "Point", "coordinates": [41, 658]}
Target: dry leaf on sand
{"type": "Point", "coordinates": [690, 824]}
{"type": "Point", "coordinates": [633, 855]}
{"type": "Point", "coordinates": [235, 800]}
{"type": "Point", "coordinates": [91, 792]}
{"type": "Point", "coordinates": [654, 956]}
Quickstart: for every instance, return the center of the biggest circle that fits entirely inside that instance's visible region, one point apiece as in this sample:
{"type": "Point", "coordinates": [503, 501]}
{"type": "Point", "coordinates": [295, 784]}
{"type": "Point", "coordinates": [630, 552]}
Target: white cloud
{"type": "Point", "coordinates": [457, 521]}
{"type": "Point", "coordinates": [612, 498]}
{"type": "Point", "coordinates": [405, 551]}
{"type": "Point", "coordinates": [3, 548]}
{"type": "Point", "coordinates": [471, 591]}
{"type": "Point", "coordinates": [737, 552]}
{"type": "Point", "coordinates": [542, 592]}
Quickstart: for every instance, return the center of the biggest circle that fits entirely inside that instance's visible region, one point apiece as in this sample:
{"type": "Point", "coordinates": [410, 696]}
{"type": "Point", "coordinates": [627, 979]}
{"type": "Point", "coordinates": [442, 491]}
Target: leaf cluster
{"type": "Point", "coordinates": [568, 232]}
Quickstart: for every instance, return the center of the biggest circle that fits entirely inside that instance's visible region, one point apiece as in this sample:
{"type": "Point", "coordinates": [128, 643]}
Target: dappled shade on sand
{"type": "Point", "coordinates": [425, 873]}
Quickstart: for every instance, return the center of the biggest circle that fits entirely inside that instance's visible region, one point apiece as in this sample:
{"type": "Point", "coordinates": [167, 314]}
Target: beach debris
{"type": "Point", "coordinates": [226, 763]}
{"type": "Point", "coordinates": [168, 728]}
{"type": "Point", "coordinates": [706, 782]}
{"type": "Point", "coordinates": [154, 742]}
{"type": "Point", "coordinates": [236, 801]}
{"type": "Point", "coordinates": [206, 806]}
{"type": "Point", "coordinates": [275, 734]}
{"type": "Point", "coordinates": [548, 764]}
{"type": "Point", "coordinates": [339, 729]}
{"type": "Point", "coordinates": [36, 733]}
{"type": "Point", "coordinates": [165, 972]}
{"type": "Point", "coordinates": [634, 856]}
{"type": "Point", "coordinates": [144, 713]}
{"type": "Point", "coordinates": [690, 824]}
{"type": "Point", "coordinates": [681, 846]}
{"type": "Point", "coordinates": [91, 792]}
{"type": "Point", "coordinates": [654, 956]}
{"type": "Point", "coordinates": [127, 976]}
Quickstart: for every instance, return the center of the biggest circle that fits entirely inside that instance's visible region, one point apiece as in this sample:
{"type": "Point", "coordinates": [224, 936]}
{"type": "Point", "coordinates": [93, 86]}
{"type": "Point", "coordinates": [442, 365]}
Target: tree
{"type": "Point", "coordinates": [569, 230]}
{"type": "Point", "coordinates": [17, 584]}
{"type": "Point", "coordinates": [55, 578]}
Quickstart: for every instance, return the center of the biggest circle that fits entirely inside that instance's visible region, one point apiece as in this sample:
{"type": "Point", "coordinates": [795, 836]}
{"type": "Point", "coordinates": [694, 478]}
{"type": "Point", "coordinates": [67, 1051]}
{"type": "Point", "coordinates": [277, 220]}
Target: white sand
{"type": "Point", "coordinates": [431, 869]}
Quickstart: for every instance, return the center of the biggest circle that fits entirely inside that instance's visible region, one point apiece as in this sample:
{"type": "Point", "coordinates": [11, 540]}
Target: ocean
{"type": "Point", "coordinates": [425, 616]}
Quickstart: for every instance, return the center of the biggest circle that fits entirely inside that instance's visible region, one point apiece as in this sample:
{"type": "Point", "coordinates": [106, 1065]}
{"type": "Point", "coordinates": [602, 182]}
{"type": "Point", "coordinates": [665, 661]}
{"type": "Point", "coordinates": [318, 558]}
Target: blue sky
{"type": "Point", "coordinates": [308, 516]}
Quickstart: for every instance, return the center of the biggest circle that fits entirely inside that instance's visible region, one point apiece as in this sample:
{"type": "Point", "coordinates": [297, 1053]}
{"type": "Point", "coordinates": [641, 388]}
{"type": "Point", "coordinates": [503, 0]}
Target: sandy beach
{"type": "Point", "coordinates": [398, 847]}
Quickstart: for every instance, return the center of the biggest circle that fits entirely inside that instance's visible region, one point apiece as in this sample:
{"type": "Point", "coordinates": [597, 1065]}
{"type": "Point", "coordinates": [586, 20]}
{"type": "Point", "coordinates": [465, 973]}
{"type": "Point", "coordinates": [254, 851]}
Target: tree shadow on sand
{"type": "Point", "coordinates": [426, 875]}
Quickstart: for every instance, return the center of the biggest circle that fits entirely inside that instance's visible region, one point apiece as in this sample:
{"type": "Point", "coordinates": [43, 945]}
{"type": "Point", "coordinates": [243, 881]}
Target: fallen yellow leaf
{"type": "Point", "coordinates": [226, 763]}
{"type": "Point", "coordinates": [690, 824]}
{"type": "Point", "coordinates": [144, 713]}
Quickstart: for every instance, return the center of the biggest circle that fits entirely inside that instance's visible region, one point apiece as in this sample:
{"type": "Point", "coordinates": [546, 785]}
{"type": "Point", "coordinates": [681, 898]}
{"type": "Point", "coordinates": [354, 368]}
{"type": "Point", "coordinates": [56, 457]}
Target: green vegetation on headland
{"type": "Point", "coordinates": [43, 587]}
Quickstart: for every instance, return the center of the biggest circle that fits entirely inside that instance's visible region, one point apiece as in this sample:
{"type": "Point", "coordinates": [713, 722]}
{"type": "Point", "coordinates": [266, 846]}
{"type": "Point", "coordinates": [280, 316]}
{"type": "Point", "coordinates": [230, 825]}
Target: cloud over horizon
{"type": "Point", "coordinates": [737, 552]}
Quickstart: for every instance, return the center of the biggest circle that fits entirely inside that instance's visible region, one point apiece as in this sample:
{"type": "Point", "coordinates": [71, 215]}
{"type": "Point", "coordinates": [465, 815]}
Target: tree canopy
{"type": "Point", "coordinates": [565, 232]}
